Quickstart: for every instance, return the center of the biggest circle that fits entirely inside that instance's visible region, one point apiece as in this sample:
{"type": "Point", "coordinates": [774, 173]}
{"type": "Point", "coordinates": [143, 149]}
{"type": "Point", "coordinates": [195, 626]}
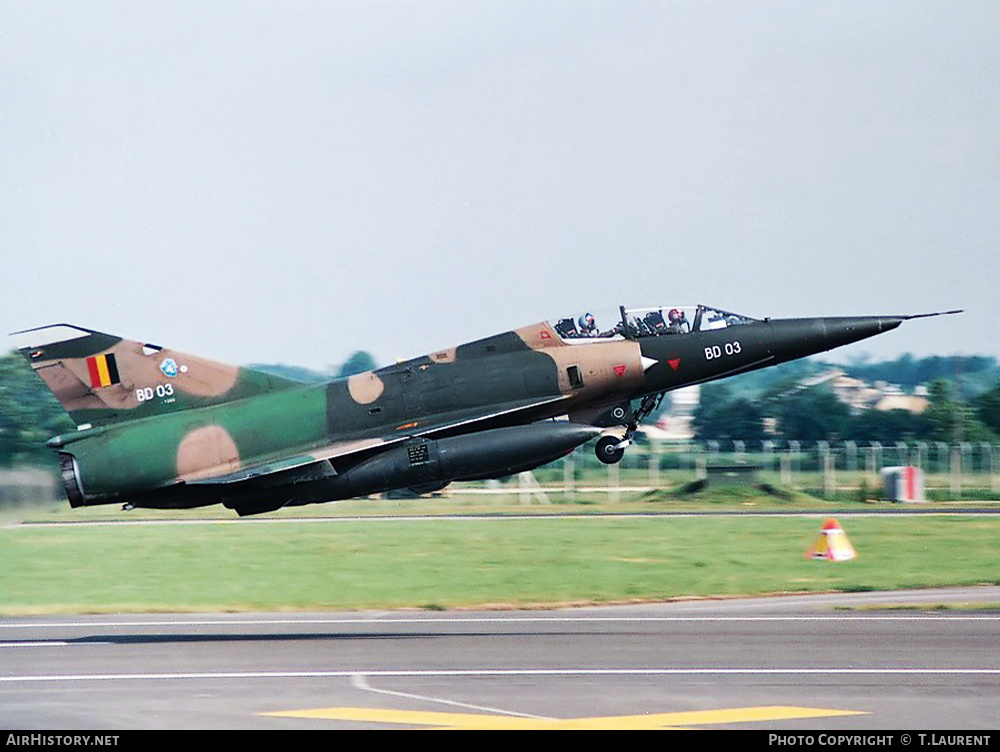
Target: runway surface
{"type": "Point", "coordinates": [799, 662]}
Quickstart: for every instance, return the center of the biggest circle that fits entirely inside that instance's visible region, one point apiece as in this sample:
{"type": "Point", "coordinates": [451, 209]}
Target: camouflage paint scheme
{"type": "Point", "coordinates": [161, 428]}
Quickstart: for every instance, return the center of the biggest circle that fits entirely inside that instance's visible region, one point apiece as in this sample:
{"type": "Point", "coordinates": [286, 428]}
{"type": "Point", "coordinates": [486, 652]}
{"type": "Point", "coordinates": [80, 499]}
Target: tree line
{"type": "Point", "coordinates": [816, 414]}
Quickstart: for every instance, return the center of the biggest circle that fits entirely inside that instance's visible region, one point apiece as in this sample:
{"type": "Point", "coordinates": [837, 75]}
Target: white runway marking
{"type": "Point", "coordinates": [359, 681]}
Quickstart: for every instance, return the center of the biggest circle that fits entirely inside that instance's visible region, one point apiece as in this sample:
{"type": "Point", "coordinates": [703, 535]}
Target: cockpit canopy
{"type": "Point", "coordinates": [636, 323]}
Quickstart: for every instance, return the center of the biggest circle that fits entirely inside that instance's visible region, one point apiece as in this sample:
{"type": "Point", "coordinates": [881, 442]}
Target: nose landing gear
{"type": "Point", "coordinates": [611, 447]}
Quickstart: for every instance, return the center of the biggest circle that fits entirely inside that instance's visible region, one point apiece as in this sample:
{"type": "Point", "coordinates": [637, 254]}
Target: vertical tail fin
{"type": "Point", "coordinates": [100, 378]}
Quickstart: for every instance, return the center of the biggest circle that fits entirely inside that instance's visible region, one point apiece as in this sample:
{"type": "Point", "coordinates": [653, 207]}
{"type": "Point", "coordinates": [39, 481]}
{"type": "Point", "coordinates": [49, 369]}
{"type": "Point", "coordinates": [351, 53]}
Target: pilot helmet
{"type": "Point", "coordinates": [587, 323]}
{"type": "Point", "coordinates": [675, 316]}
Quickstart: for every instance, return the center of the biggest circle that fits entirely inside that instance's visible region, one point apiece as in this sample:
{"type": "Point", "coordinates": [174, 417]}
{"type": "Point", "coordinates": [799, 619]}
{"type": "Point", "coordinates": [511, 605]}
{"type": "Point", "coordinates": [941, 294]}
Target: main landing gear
{"type": "Point", "coordinates": [611, 447]}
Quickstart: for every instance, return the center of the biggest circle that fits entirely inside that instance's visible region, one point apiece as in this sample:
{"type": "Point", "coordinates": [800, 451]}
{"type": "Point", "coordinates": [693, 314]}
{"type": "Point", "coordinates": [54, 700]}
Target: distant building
{"type": "Point", "coordinates": [860, 395]}
{"type": "Point", "coordinates": [855, 393]}
{"type": "Point", "coordinates": [910, 402]}
{"type": "Point", "coordinates": [677, 422]}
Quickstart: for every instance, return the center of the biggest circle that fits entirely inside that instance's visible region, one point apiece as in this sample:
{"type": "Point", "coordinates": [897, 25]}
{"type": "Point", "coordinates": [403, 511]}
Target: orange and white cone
{"type": "Point", "coordinates": [832, 544]}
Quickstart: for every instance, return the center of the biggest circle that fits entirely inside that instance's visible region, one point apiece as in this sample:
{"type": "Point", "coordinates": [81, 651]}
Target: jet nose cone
{"type": "Point", "coordinates": [797, 338]}
{"type": "Point", "coordinates": [853, 328]}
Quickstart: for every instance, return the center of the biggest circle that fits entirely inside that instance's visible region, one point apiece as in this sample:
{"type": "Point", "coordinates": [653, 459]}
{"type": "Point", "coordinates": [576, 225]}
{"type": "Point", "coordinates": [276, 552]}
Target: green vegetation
{"type": "Point", "coordinates": [445, 563]}
{"type": "Point", "coordinates": [972, 374]}
{"type": "Point", "coordinates": [29, 415]}
{"type": "Point", "coordinates": [726, 412]}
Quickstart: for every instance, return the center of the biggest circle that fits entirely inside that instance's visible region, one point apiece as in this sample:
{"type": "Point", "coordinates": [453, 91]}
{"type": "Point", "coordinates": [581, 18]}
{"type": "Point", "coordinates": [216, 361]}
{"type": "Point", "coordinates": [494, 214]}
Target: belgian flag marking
{"type": "Point", "coordinates": [103, 370]}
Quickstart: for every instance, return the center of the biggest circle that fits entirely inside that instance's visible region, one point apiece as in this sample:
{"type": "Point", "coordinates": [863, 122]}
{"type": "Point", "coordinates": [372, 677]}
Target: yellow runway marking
{"type": "Point", "coordinates": [470, 721]}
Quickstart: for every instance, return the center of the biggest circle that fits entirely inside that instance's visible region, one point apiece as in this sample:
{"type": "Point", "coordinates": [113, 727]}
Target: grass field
{"type": "Point", "coordinates": [486, 557]}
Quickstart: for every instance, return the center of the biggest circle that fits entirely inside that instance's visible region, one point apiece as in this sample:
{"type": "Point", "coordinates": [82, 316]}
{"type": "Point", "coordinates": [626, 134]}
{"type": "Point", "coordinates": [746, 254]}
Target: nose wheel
{"type": "Point", "coordinates": [611, 448]}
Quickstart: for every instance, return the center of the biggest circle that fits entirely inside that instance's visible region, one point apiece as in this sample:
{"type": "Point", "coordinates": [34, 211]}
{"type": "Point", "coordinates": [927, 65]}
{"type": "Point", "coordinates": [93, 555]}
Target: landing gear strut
{"type": "Point", "coordinates": [611, 448]}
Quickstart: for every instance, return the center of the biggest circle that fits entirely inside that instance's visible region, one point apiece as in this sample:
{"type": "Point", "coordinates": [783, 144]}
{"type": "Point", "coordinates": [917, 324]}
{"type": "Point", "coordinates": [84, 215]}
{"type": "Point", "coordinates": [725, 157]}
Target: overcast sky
{"type": "Point", "coordinates": [288, 181]}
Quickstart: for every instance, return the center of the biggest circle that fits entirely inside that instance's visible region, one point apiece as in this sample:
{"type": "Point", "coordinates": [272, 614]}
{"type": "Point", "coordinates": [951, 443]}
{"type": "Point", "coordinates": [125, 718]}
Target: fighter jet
{"type": "Point", "coordinates": [162, 429]}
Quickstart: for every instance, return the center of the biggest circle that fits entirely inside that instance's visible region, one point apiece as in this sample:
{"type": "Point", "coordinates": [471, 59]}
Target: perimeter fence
{"type": "Point", "coordinates": [27, 486]}
{"type": "Point", "coordinates": [843, 469]}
